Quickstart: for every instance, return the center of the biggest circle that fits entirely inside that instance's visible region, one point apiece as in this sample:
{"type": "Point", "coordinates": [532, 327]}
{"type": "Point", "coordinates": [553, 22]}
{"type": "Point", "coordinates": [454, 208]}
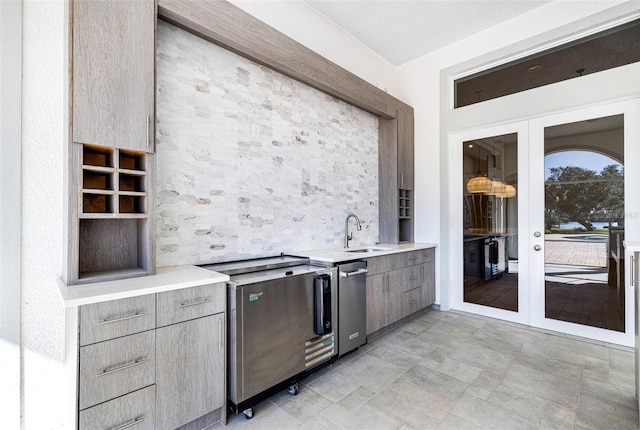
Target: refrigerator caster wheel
{"type": "Point", "coordinates": [294, 389]}
{"type": "Point", "coordinates": [248, 413]}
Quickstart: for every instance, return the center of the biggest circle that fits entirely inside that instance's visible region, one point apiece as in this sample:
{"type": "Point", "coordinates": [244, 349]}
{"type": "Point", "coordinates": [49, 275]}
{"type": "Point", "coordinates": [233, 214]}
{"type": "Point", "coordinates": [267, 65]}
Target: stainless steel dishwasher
{"type": "Point", "coordinates": [352, 306]}
{"type": "Point", "coordinates": [282, 317]}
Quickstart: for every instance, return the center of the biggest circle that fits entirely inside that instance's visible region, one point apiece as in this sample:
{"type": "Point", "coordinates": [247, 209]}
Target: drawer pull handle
{"type": "Point", "coordinates": [199, 302]}
{"type": "Point", "coordinates": [131, 424]}
{"type": "Point", "coordinates": [220, 335]}
{"type": "Point", "coordinates": [124, 318]}
{"type": "Point", "coordinates": [413, 258]}
{"type": "Point", "coordinates": [106, 372]}
{"type": "Point", "coordinates": [413, 279]}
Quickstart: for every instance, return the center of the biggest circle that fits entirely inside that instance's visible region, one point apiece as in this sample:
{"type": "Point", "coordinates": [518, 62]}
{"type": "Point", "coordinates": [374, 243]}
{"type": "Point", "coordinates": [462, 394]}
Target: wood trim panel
{"type": "Point", "coordinates": [228, 26]}
{"type": "Point", "coordinates": [387, 180]}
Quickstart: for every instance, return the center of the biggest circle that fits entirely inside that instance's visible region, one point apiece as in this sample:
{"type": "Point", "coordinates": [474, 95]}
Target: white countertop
{"type": "Point", "coordinates": [165, 279]}
{"type": "Point", "coordinates": [337, 255]}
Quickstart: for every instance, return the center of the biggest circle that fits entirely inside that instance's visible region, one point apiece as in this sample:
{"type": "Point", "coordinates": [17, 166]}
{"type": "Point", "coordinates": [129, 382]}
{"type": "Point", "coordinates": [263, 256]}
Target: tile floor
{"type": "Point", "coordinates": [446, 370]}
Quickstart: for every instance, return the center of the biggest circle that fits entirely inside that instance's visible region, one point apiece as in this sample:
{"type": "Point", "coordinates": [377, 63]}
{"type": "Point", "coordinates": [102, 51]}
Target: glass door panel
{"type": "Point", "coordinates": [584, 222]}
{"type": "Point", "coordinates": [490, 221]}
{"type": "Point", "coordinates": [580, 163]}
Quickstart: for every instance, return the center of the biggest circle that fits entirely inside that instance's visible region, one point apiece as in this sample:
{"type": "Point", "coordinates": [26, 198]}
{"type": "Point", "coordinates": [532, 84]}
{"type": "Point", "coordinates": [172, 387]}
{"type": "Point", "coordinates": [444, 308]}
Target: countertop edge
{"type": "Point", "coordinates": [166, 279]}
{"type": "Point", "coordinates": [337, 255]}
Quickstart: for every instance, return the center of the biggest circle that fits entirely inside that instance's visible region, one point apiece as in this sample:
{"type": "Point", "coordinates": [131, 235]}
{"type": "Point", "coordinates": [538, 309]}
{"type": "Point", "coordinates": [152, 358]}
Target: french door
{"type": "Point", "coordinates": [546, 206]}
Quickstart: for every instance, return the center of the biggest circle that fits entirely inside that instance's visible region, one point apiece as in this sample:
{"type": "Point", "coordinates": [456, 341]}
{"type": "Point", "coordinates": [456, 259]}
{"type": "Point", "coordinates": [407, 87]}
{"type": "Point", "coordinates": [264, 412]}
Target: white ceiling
{"type": "Point", "coordinates": [403, 30]}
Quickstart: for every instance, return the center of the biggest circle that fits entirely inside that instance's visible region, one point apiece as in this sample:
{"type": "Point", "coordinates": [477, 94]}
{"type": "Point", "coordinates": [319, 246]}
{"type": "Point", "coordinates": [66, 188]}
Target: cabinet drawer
{"type": "Point", "coordinates": [116, 318]}
{"type": "Point", "coordinates": [406, 279]}
{"type": "Point", "coordinates": [420, 256]}
{"type": "Point", "coordinates": [190, 303]}
{"type": "Point", "coordinates": [412, 278]}
{"type": "Point", "coordinates": [116, 367]}
{"type": "Point", "coordinates": [135, 411]}
{"type": "Point", "coordinates": [412, 301]}
{"type": "Point", "coordinates": [385, 263]}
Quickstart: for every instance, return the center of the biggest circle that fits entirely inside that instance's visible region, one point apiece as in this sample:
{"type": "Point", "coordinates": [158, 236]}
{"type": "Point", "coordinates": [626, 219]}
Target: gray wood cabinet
{"type": "Point", "coordinates": [111, 216]}
{"type": "Point", "coordinates": [396, 177]}
{"type": "Point", "coordinates": [190, 370]}
{"type": "Point", "coordinates": [405, 149]}
{"type": "Point", "coordinates": [135, 410]}
{"type": "Point", "coordinates": [153, 361]}
{"type": "Point", "coordinates": [113, 65]}
{"type": "Point", "coordinates": [119, 366]}
{"type": "Point", "coordinates": [399, 285]}
{"type": "Point", "coordinates": [117, 318]}
{"type": "Point", "coordinates": [377, 292]}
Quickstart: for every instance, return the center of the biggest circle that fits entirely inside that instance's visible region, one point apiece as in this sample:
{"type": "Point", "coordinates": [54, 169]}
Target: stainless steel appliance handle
{"type": "Point", "coordinates": [354, 273]}
{"type": "Point", "coordinates": [632, 261]}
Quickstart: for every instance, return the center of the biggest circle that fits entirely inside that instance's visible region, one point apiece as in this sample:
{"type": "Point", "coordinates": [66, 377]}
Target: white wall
{"type": "Point", "coordinates": [10, 83]}
{"type": "Point", "coordinates": [43, 148]}
{"type": "Point", "coordinates": [423, 83]}
{"type": "Point", "coordinates": [307, 26]}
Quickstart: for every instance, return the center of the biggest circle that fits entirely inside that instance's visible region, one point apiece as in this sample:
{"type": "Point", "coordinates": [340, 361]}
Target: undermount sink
{"type": "Point", "coordinates": [367, 250]}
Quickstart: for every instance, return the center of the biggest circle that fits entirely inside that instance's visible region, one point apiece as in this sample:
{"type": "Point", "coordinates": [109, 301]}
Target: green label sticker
{"type": "Point", "coordinates": [254, 296]}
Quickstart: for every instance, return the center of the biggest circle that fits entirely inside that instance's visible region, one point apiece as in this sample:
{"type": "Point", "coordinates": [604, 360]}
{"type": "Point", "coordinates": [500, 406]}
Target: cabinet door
{"type": "Point", "coordinates": [113, 73]}
{"type": "Point", "coordinates": [190, 360]}
{"type": "Point", "coordinates": [396, 308]}
{"type": "Point", "coordinates": [428, 283]}
{"type": "Point", "coordinates": [405, 149]}
{"type": "Point", "coordinates": [376, 302]}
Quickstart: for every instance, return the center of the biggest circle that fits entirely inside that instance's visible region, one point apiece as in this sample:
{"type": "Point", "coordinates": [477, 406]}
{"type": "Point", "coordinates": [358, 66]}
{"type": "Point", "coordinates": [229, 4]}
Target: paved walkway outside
{"type": "Point", "coordinates": [559, 250]}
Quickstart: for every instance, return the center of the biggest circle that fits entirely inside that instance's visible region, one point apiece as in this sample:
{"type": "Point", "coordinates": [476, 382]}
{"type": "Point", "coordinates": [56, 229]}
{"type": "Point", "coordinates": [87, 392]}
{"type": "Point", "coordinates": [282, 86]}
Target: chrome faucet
{"type": "Point", "coordinates": [347, 236]}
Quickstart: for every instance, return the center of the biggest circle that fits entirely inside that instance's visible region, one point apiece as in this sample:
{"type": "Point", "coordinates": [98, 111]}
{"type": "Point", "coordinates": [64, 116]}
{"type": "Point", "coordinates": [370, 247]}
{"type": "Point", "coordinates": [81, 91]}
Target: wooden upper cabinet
{"type": "Point", "coordinates": [405, 149]}
{"type": "Point", "coordinates": [113, 98]}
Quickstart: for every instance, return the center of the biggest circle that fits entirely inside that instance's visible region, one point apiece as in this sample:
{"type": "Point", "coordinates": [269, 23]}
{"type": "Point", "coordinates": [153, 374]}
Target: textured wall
{"type": "Point", "coordinates": [252, 163]}
{"type": "Point", "coordinates": [44, 117]}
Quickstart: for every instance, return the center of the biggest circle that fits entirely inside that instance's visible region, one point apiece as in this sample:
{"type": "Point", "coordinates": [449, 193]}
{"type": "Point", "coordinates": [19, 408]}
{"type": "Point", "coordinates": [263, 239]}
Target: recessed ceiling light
{"type": "Point", "coordinates": [534, 68]}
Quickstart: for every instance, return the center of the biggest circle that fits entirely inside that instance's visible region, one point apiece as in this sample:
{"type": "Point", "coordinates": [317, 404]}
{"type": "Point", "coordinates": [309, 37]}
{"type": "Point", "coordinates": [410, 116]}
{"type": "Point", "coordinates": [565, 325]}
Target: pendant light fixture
{"type": "Point", "coordinates": [497, 188]}
{"type": "Point", "coordinates": [509, 191]}
{"type": "Point", "coordinates": [479, 184]}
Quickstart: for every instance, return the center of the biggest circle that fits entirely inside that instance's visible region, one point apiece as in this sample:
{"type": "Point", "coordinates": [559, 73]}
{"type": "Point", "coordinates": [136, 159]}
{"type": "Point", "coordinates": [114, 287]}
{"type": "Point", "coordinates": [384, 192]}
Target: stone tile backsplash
{"type": "Point", "coordinates": [251, 163]}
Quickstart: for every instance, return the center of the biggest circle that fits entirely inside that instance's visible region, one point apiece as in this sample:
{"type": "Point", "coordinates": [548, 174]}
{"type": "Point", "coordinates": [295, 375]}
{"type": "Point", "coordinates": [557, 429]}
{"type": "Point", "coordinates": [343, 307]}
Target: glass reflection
{"type": "Point", "coordinates": [584, 222]}
{"type": "Point", "coordinates": [491, 222]}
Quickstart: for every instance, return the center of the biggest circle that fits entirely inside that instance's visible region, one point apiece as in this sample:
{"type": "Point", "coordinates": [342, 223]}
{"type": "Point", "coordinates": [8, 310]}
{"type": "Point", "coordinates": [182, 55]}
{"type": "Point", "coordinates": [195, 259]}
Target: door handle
{"type": "Point", "coordinates": [537, 247]}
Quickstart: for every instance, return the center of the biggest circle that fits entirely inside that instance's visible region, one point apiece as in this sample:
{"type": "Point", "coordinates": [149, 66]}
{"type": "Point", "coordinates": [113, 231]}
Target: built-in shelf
{"type": "Point", "coordinates": [404, 204]}
{"type": "Point", "coordinates": [405, 215]}
{"type": "Point", "coordinates": [113, 182]}
{"type": "Point", "coordinates": [113, 225]}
